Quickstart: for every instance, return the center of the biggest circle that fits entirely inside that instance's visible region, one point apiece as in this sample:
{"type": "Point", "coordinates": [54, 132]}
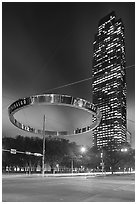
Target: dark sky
{"type": "Point", "coordinates": [46, 45]}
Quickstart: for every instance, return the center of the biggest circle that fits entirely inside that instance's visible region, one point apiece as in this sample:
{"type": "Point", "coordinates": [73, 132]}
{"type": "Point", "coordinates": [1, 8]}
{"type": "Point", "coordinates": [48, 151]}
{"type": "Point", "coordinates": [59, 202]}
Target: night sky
{"type": "Point", "coordinates": [47, 45]}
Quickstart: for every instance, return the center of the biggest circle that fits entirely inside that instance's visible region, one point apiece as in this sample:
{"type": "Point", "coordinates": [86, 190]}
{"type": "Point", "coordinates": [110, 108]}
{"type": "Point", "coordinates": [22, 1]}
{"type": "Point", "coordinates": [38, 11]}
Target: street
{"type": "Point", "coordinates": [117, 188]}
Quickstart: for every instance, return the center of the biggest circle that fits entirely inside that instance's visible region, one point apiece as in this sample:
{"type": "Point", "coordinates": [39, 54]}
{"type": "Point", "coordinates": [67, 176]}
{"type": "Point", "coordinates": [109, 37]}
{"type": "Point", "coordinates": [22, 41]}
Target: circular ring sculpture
{"type": "Point", "coordinates": [54, 99]}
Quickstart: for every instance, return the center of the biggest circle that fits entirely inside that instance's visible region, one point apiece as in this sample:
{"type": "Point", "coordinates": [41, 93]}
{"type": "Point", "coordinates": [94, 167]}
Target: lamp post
{"type": "Point", "coordinates": [43, 157]}
{"type": "Point", "coordinates": [72, 161]}
{"type": "Point", "coordinates": [124, 150]}
{"type": "Point", "coordinates": [102, 162]}
{"type": "Point", "coordinates": [83, 150]}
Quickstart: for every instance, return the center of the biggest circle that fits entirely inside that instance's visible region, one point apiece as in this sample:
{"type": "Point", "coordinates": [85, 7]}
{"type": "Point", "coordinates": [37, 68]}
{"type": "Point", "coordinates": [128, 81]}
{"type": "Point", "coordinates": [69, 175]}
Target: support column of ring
{"type": "Point", "coordinates": [44, 142]}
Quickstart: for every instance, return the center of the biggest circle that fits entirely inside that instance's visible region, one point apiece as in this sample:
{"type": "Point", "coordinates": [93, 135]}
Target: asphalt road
{"type": "Point", "coordinates": [68, 189]}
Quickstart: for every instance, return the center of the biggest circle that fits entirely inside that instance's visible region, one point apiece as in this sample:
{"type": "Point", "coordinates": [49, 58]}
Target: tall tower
{"type": "Point", "coordinates": [109, 82]}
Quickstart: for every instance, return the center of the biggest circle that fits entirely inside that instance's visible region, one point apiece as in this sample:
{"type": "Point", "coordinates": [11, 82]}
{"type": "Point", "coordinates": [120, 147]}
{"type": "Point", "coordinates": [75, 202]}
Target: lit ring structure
{"type": "Point", "coordinates": [54, 99]}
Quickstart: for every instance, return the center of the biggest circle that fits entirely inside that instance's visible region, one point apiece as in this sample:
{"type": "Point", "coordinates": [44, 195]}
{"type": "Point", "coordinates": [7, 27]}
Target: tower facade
{"type": "Point", "coordinates": [109, 82]}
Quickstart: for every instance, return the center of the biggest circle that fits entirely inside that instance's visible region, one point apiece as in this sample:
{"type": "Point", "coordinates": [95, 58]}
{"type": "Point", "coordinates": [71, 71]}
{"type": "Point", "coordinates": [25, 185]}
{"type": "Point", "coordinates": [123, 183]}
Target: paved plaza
{"type": "Point", "coordinates": [69, 189]}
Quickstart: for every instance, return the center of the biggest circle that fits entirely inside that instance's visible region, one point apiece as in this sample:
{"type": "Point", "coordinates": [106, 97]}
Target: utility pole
{"type": "Point", "coordinates": [43, 158]}
{"type": "Point", "coordinates": [72, 165]}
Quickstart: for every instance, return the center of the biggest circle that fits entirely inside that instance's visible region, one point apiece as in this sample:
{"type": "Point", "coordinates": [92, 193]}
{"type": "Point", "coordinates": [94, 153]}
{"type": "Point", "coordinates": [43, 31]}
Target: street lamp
{"type": "Point", "coordinates": [83, 149]}
{"type": "Point", "coordinates": [102, 162]}
{"type": "Point", "coordinates": [124, 150]}
{"type": "Point", "coordinates": [44, 141]}
{"type": "Point", "coordinates": [72, 164]}
{"type": "Point", "coordinates": [57, 165]}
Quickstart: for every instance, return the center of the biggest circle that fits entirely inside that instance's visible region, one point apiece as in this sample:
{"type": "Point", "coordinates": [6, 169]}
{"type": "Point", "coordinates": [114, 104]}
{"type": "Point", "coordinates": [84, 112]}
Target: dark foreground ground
{"type": "Point", "coordinates": [69, 189]}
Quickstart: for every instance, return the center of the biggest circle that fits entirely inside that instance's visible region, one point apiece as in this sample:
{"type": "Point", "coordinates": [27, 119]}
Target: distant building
{"type": "Point", "coordinates": [109, 81]}
{"type": "Point", "coordinates": [129, 137]}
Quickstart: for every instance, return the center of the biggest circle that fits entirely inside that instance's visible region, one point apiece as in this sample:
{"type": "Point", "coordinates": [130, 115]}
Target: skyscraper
{"type": "Point", "coordinates": [109, 82]}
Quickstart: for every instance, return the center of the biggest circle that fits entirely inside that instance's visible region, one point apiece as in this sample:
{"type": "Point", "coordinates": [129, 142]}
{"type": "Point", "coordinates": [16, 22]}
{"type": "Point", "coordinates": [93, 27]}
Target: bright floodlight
{"type": "Point", "coordinates": [124, 150]}
{"type": "Point", "coordinates": [83, 149]}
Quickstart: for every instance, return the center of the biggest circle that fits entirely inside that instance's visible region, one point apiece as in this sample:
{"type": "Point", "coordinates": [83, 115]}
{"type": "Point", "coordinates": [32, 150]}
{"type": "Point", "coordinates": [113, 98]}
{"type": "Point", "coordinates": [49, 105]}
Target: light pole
{"type": "Point", "coordinates": [83, 150]}
{"type": "Point", "coordinates": [43, 158]}
{"type": "Point", "coordinates": [124, 150]}
{"type": "Point", "coordinates": [102, 161]}
{"type": "Point", "coordinates": [72, 161]}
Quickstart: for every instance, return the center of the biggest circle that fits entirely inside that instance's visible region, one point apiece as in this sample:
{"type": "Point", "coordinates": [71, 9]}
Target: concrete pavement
{"type": "Point", "coordinates": [69, 189]}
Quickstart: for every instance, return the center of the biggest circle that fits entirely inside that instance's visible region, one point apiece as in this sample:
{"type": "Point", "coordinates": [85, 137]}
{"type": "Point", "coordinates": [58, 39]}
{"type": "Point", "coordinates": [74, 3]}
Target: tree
{"type": "Point", "coordinates": [24, 144]}
{"type": "Point", "coordinates": [56, 151]}
{"type": "Point", "coordinates": [59, 151]}
{"type": "Point", "coordinates": [92, 158]}
{"type": "Point", "coordinates": [115, 158]}
{"type": "Point", "coordinates": [127, 159]}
